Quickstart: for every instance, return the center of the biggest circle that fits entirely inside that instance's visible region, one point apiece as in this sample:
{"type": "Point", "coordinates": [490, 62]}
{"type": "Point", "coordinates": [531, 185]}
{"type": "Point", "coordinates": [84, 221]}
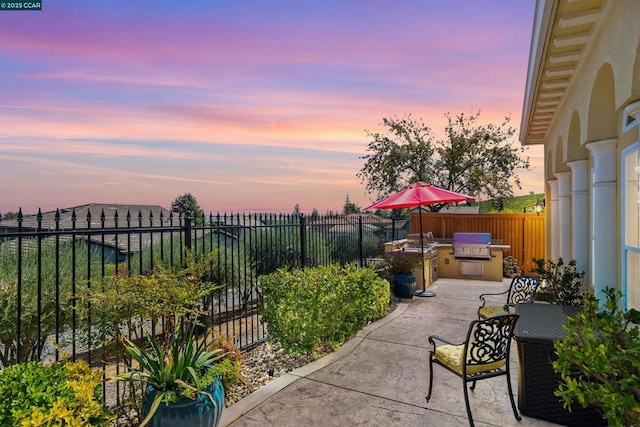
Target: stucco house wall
{"type": "Point", "coordinates": [583, 103]}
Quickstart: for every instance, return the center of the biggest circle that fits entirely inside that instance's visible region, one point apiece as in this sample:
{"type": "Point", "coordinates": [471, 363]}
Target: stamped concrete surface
{"type": "Point", "coordinates": [381, 376]}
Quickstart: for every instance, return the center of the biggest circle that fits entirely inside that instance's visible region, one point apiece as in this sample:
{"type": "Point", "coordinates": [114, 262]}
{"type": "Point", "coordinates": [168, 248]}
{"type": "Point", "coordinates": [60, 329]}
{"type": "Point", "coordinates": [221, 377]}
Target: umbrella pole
{"type": "Point", "coordinates": [424, 292]}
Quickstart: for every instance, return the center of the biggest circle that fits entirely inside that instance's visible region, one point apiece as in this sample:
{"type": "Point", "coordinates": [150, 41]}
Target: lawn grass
{"type": "Point", "coordinates": [518, 204]}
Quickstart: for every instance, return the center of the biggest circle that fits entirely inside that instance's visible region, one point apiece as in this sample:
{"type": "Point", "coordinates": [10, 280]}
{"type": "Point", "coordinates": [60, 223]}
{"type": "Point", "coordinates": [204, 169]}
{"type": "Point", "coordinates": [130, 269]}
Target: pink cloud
{"type": "Point", "coordinates": [276, 98]}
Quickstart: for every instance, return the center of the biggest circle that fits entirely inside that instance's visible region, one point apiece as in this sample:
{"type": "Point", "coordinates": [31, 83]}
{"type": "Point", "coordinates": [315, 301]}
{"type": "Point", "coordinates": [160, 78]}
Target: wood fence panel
{"type": "Point", "coordinates": [535, 235]}
{"type": "Point", "coordinates": [524, 233]}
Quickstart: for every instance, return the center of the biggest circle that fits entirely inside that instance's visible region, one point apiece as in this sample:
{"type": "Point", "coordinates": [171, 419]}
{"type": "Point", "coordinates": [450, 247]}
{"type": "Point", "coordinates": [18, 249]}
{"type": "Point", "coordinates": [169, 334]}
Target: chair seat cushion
{"type": "Point", "coordinates": [494, 310]}
{"type": "Point", "coordinates": [451, 356]}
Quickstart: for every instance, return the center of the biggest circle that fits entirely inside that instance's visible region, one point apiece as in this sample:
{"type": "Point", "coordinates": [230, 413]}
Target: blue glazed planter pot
{"type": "Point", "coordinates": [404, 285]}
{"type": "Point", "coordinates": [200, 412]}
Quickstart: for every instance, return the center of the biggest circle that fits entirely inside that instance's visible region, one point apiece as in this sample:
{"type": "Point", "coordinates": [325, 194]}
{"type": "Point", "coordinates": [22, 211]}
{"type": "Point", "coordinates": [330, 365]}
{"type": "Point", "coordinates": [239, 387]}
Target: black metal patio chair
{"type": "Point", "coordinates": [522, 290]}
{"type": "Point", "coordinates": [483, 354]}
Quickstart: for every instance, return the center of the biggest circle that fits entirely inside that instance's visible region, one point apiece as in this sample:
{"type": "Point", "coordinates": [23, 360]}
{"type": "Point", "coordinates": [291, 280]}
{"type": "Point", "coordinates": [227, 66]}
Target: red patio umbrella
{"type": "Point", "coordinates": [417, 195]}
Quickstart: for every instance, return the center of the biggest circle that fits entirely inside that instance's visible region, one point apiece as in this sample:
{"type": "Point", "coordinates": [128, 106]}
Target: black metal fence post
{"type": "Point", "coordinates": [303, 241]}
{"type": "Point", "coordinates": [39, 283]}
{"type": "Point", "coordinates": [89, 341]}
{"type": "Point", "coordinates": [187, 232]}
{"type": "Point", "coordinates": [393, 228]}
{"type": "Point", "coordinates": [74, 313]}
{"type": "Point", "coordinates": [360, 242]}
{"type": "Point", "coordinates": [57, 263]}
{"type": "Point", "coordinates": [19, 302]}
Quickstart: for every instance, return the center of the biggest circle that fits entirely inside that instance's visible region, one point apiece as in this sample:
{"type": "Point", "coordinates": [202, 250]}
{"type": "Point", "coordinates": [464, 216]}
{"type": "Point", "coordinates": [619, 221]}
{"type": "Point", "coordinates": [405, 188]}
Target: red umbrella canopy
{"type": "Point", "coordinates": [419, 194]}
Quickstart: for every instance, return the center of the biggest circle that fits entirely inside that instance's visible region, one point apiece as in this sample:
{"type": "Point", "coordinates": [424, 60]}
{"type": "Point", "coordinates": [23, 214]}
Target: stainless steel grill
{"type": "Point", "coordinates": [472, 246]}
{"type": "Point", "coordinates": [429, 249]}
{"type": "Point", "coordinates": [428, 245]}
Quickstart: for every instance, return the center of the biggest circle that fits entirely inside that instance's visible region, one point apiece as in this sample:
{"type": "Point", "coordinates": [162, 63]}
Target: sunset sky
{"type": "Point", "coordinates": [247, 105]}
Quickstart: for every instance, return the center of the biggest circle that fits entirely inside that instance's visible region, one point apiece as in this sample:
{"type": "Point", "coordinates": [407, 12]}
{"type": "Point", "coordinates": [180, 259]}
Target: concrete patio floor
{"type": "Point", "coordinates": [381, 376]}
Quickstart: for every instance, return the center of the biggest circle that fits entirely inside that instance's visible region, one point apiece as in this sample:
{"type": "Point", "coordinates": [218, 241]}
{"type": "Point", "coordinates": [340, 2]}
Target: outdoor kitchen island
{"type": "Point", "coordinates": [455, 259]}
{"type": "Point", "coordinates": [471, 256]}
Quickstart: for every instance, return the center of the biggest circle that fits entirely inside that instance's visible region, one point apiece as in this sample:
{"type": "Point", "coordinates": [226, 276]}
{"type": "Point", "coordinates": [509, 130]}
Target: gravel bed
{"type": "Point", "coordinates": [264, 364]}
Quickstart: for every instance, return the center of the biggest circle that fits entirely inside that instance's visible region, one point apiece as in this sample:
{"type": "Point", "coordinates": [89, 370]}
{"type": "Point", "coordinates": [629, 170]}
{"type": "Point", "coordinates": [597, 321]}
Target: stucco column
{"type": "Point", "coordinates": [604, 216]}
{"type": "Point", "coordinates": [554, 219]}
{"type": "Point", "coordinates": [580, 214]}
{"type": "Point", "coordinates": [564, 215]}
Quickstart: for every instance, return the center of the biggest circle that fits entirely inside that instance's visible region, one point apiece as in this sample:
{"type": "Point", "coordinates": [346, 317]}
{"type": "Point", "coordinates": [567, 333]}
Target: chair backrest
{"type": "Point", "coordinates": [523, 289]}
{"type": "Point", "coordinates": [489, 340]}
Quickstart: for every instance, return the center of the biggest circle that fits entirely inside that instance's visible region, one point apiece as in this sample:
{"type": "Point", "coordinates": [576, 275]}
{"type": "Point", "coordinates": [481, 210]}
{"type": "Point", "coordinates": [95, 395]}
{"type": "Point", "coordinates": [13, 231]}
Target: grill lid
{"type": "Point", "coordinates": [477, 238]}
{"type": "Point", "coordinates": [472, 245]}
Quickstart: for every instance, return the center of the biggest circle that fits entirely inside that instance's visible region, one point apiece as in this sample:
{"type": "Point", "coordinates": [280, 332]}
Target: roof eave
{"type": "Point", "coordinates": [540, 37]}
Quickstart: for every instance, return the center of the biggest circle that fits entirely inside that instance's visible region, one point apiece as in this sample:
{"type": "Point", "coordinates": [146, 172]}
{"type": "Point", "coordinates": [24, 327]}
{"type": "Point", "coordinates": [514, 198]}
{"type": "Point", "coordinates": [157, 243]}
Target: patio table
{"type": "Point", "coordinates": [538, 327]}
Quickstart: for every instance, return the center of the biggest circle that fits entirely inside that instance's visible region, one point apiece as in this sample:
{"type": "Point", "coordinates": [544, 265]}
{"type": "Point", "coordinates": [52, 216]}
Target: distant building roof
{"type": "Point", "coordinates": [149, 215]}
{"type": "Point", "coordinates": [349, 223]}
{"type": "Point", "coordinates": [89, 216]}
{"type": "Point", "coordinates": [461, 209]}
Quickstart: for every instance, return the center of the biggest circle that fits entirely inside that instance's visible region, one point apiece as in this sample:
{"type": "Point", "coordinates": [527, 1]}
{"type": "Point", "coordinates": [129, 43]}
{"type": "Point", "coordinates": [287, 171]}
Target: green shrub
{"type": "Point", "coordinates": [321, 306]}
{"type": "Point", "coordinates": [60, 394]}
{"type": "Point", "coordinates": [119, 301]}
{"type": "Point", "coordinates": [563, 281]}
{"type": "Point", "coordinates": [599, 360]}
{"type": "Point", "coordinates": [36, 327]}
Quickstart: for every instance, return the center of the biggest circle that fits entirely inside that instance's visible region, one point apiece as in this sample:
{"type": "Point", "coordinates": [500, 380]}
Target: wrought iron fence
{"type": "Point", "coordinates": [47, 260]}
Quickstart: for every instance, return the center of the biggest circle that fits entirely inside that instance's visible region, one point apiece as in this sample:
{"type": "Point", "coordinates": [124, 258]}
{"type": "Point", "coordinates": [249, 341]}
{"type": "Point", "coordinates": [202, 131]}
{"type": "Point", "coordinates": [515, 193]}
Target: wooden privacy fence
{"type": "Point", "coordinates": [524, 233]}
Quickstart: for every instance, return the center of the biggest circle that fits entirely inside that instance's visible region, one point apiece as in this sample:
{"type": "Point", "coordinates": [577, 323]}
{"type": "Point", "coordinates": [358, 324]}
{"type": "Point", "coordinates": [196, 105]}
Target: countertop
{"type": "Point", "coordinates": [497, 247]}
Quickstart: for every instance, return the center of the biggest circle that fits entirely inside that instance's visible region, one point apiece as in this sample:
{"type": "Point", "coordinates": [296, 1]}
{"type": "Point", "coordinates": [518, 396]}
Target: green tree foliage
{"type": "Point", "coordinates": [498, 204]}
{"type": "Point", "coordinates": [472, 159]}
{"type": "Point", "coordinates": [344, 247]}
{"type": "Point", "coordinates": [350, 207]}
{"type": "Point", "coordinates": [9, 215]}
{"type": "Point", "coordinates": [187, 205]}
{"type": "Point", "coordinates": [386, 213]}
